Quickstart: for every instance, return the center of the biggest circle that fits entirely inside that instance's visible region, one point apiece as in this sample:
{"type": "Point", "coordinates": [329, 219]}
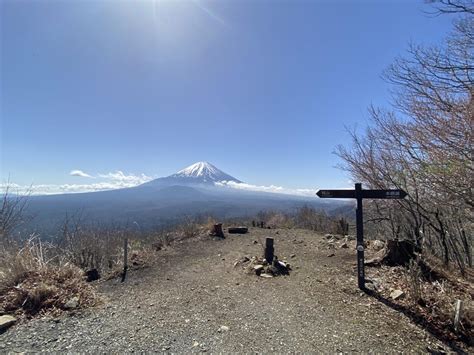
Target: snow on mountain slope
{"type": "Point", "coordinates": [203, 172]}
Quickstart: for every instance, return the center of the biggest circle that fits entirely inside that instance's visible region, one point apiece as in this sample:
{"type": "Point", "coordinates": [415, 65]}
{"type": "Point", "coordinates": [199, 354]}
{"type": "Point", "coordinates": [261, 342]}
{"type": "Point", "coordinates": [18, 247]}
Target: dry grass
{"type": "Point", "coordinates": [30, 284]}
{"type": "Point", "coordinates": [429, 294]}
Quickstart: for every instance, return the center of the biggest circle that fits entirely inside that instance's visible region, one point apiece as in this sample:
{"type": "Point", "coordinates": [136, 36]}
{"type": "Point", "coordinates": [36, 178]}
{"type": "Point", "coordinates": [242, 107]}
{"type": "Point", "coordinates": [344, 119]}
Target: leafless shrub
{"type": "Point", "coordinates": [12, 213]}
{"type": "Point", "coordinates": [188, 228]}
{"type": "Point", "coordinates": [279, 220]}
{"type": "Point", "coordinates": [93, 247]}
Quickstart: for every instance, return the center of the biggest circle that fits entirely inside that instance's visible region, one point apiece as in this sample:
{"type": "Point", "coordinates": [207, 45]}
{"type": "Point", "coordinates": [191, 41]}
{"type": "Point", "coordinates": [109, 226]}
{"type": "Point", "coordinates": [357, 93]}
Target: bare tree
{"type": "Point", "coordinates": [424, 144]}
{"type": "Point", "coordinates": [12, 212]}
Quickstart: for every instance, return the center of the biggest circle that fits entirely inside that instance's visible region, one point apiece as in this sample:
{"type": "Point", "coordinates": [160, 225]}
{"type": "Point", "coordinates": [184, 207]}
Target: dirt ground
{"type": "Point", "coordinates": [194, 299]}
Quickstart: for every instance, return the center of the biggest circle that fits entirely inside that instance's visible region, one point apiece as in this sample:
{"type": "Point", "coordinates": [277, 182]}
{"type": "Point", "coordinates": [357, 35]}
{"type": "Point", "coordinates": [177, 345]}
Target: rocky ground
{"type": "Point", "coordinates": [195, 299]}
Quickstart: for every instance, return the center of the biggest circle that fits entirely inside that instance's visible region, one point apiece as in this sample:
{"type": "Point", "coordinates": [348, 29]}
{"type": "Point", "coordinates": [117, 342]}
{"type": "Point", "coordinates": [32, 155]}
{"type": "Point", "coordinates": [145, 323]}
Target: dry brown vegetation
{"type": "Point", "coordinates": [31, 284]}
{"type": "Point", "coordinates": [305, 217]}
{"type": "Point", "coordinates": [38, 277]}
{"type": "Point", "coordinates": [430, 296]}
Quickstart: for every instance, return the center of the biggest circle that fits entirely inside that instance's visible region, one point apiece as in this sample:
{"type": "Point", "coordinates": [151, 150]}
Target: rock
{"type": "Point", "coordinates": [267, 276]}
{"type": "Point", "coordinates": [282, 268]}
{"type": "Point", "coordinates": [292, 255]}
{"type": "Point", "coordinates": [343, 246]}
{"type": "Point", "coordinates": [378, 245]}
{"type": "Point", "coordinates": [258, 267]}
{"type": "Point", "coordinates": [6, 322]}
{"type": "Point", "coordinates": [371, 287]}
{"type": "Point", "coordinates": [223, 328]}
{"type": "Point", "coordinates": [195, 344]}
{"type": "Point", "coordinates": [331, 255]}
{"type": "Point", "coordinates": [92, 275]}
{"type": "Point", "coordinates": [237, 230]}
{"type": "Point", "coordinates": [397, 294]}
{"type": "Point", "coordinates": [377, 259]}
{"type": "Point", "coordinates": [255, 242]}
{"type": "Point", "coordinates": [373, 284]}
{"type": "Point", "coordinates": [72, 303]}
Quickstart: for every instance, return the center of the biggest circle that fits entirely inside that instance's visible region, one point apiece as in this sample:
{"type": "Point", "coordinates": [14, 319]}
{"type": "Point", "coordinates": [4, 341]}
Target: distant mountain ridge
{"type": "Point", "coordinates": [192, 191]}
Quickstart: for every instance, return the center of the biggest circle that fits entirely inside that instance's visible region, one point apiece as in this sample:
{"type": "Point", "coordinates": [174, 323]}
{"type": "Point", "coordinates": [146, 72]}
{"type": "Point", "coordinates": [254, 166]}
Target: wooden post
{"type": "Point", "coordinates": [457, 315]}
{"type": "Point", "coordinates": [125, 258]}
{"type": "Point", "coordinates": [269, 250]}
{"type": "Point", "coordinates": [360, 194]}
{"type": "Point", "coordinates": [360, 237]}
{"type": "Point", "coordinates": [217, 230]}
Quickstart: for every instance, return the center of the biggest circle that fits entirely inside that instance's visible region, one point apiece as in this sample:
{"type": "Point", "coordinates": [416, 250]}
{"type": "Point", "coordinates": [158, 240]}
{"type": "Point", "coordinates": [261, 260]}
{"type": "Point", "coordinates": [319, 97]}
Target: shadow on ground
{"type": "Point", "coordinates": [434, 329]}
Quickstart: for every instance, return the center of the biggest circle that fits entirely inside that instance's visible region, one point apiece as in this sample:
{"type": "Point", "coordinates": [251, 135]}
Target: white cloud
{"type": "Point", "coordinates": [111, 181]}
{"type": "Point", "coordinates": [270, 188]}
{"type": "Point", "coordinates": [80, 173]}
{"type": "Point", "coordinates": [119, 176]}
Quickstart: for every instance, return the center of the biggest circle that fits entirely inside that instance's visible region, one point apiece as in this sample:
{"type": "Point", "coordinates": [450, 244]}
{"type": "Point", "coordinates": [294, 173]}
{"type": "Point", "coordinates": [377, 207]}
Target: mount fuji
{"type": "Point", "coordinates": [203, 172]}
{"type": "Point", "coordinates": [201, 189]}
{"type": "Point", "coordinates": [200, 173]}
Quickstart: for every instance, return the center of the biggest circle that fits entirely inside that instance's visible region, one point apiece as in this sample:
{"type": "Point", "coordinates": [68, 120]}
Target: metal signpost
{"type": "Point", "coordinates": [360, 194]}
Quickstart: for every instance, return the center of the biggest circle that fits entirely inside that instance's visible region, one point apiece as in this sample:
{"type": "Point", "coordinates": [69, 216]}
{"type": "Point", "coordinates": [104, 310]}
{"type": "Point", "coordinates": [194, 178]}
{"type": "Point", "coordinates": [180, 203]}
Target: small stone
{"type": "Point", "coordinates": [292, 255]}
{"type": "Point", "coordinates": [397, 294]}
{"type": "Point", "coordinates": [267, 276]}
{"type": "Point", "coordinates": [258, 267]}
{"type": "Point", "coordinates": [331, 255]}
{"type": "Point", "coordinates": [223, 328]}
{"type": "Point", "coordinates": [72, 303]}
{"type": "Point", "coordinates": [378, 245]}
{"type": "Point", "coordinates": [370, 287]}
{"type": "Point", "coordinates": [195, 344]}
{"type": "Point", "coordinates": [255, 242]}
{"type": "Point", "coordinates": [6, 321]}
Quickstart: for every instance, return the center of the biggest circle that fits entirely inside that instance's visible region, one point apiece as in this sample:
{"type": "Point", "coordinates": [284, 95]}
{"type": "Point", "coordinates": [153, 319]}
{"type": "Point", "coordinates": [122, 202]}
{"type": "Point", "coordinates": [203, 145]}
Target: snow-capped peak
{"type": "Point", "coordinates": [200, 168]}
{"type": "Point", "coordinates": [205, 172]}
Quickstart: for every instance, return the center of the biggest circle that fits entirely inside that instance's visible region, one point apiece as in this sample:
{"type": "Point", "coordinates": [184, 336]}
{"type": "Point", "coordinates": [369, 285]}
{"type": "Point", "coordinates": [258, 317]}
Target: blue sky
{"type": "Point", "coordinates": [261, 89]}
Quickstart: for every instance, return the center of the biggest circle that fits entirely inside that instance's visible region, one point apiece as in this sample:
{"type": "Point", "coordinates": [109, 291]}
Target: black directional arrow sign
{"type": "Point", "coordinates": [336, 193]}
{"type": "Point", "coordinates": [380, 194]}
{"type": "Point", "coordinates": [360, 194]}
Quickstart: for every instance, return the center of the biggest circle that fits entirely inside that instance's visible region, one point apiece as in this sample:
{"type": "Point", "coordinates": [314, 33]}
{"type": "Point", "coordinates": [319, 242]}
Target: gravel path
{"type": "Point", "coordinates": [195, 300]}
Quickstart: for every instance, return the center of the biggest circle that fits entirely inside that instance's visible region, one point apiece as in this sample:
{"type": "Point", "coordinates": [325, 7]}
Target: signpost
{"type": "Point", "coordinates": [360, 194]}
